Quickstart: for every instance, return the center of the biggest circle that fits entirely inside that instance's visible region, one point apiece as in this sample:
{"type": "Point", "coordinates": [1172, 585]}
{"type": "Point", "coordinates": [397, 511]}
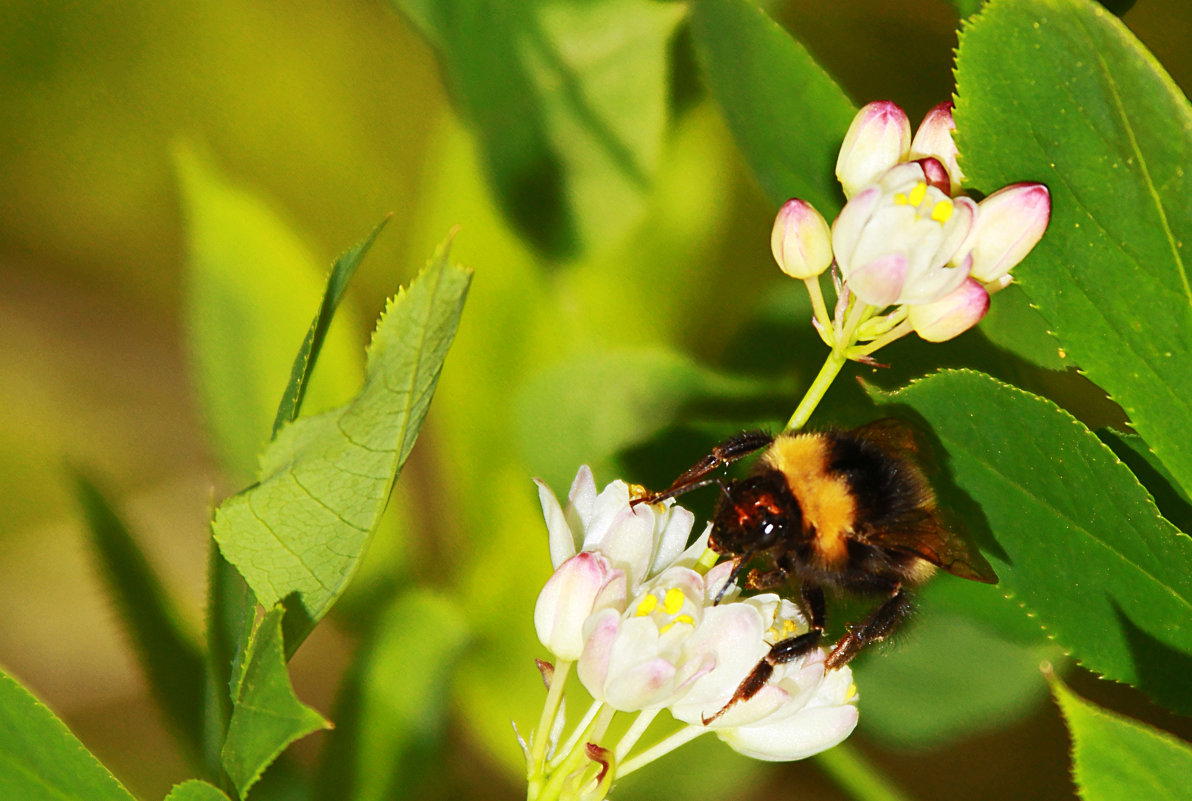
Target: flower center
{"type": "Point", "coordinates": [940, 211]}
{"type": "Point", "coordinates": [669, 606]}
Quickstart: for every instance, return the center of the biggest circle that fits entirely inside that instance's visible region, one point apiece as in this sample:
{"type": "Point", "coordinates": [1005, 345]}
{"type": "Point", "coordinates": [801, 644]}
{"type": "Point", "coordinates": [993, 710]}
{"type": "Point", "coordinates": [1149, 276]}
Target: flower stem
{"type": "Point", "coordinates": [635, 732]}
{"type": "Point", "coordinates": [554, 696]}
{"type": "Point", "coordinates": [661, 748]}
{"type": "Point", "coordinates": [815, 393]}
{"type": "Point", "coordinates": [575, 758]}
{"type": "Point", "coordinates": [580, 728]}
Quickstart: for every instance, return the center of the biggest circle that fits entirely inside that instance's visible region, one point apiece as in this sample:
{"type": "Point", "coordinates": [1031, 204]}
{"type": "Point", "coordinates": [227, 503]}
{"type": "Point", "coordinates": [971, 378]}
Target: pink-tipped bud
{"type": "Point", "coordinates": [879, 138]}
{"type": "Point", "coordinates": [579, 586]}
{"type": "Point", "coordinates": [1010, 222]}
{"type": "Point", "coordinates": [934, 139]}
{"type": "Point", "coordinates": [801, 240]}
{"type": "Point", "coordinates": [952, 314]}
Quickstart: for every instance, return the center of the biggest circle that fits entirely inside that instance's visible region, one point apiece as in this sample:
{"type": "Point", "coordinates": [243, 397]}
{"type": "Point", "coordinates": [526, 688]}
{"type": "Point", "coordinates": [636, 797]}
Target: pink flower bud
{"type": "Point", "coordinates": [801, 240]}
{"type": "Point", "coordinates": [880, 281]}
{"type": "Point", "coordinates": [582, 584]}
{"type": "Point", "coordinates": [1010, 222]}
{"type": "Point", "coordinates": [951, 315]}
{"type": "Point", "coordinates": [879, 138]}
{"type": "Point", "coordinates": [934, 139]}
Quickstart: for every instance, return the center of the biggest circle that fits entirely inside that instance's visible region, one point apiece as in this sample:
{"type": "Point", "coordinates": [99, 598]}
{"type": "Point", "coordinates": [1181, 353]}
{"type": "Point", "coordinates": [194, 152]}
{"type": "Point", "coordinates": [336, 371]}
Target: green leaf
{"type": "Point", "coordinates": [299, 533]}
{"type": "Point", "coordinates": [304, 363]}
{"type": "Point", "coordinates": [40, 760]}
{"type": "Point", "coordinates": [1078, 540]}
{"type": "Point", "coordinates": [267, 715]}
{"type": "Point", "coordinates": [1172, 501]}
{"type": "Point", "coordinates": [1013, 325]}
{"type": "Point", "coordinates": [1115, 757]}
{"type": "Point", "coordinates": [391, 720]}
{"type": "Point", "coordinates": [169, 657]}
{"type": "Point", "coordinates": [570, 100]}
{"type": "Point", "coordinates": [1059, 91]}
{"type": "Point", "coordinates": [949, 679]}
{"type": "Point", "coordinates": [231, 611]}
{"type": "Point", "coordinates": [787, 115]}
{"type": "Point", "coordinates": [195, 790]}
{"type": "Point", "coordinates": [251, 284]}
{"type": "Point", "coordinates": [966, 8]}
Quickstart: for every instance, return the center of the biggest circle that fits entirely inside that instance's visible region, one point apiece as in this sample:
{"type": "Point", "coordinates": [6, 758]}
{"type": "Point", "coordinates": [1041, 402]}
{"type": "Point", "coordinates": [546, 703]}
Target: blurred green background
{"type": "Point", "coordinates": [584, 349]}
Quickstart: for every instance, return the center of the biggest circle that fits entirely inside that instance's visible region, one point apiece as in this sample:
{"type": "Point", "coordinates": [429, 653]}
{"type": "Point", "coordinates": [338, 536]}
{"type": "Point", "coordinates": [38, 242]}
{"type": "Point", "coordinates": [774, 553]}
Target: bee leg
{"type": "Point", "coordinates": [875, 628]}
{"type": "Point", "coordinates": [782, 652]}
{"type": "Point", "coordinates": [723, 454]}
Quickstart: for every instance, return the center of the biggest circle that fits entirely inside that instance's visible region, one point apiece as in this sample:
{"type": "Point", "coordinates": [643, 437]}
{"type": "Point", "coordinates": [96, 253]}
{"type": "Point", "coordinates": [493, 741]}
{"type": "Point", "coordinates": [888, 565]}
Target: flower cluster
{"type": "Point", "coordinates": [913, 253]}
{"type": "Point", "coordinates": [633, 608]}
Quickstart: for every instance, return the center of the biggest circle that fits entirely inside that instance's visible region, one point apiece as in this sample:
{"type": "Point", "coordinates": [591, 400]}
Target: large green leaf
{"type": "Point", "coordinates": [1059, 91]}
{"type": "Point", "coordinates": [298, 534]}
{"type": "Point", "coordinates": [786, 113]}
{"type": "Point", "coordinates": [1116, 758]}
{"type": "Point", "coordinates": [1077, 539]}
{"type": "Point", "coordinates": [252, 283]}
{"type": "Point", "coordinates": [195, 790]}
{"type": "Point", "coordinates": [169, 656]}
{"type": "Point", "coordinates": [391, 720]}
{"type": "Point", "coordinates": [231, 611]}
{"type": "Point", "coordinates": [267, 716]}
{"type": "Point", "coordinates": [40, 760]}
{"type": "Point", "coordinates": [570, 101]}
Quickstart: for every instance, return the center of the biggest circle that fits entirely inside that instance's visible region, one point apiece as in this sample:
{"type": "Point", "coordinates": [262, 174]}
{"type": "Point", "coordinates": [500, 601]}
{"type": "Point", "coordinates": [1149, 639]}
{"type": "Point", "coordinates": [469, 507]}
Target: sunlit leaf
{"type": "Point", "coordinates": [390, 724]}
{"type": "Point", "coordinates": [1076, 538]}
{"type": "Point", "coordinates": [251, 286]}
{"type": "Point", "coordinates": [1012, 324]}
{"type": "Point", "coordinates": [570, 102]}
{"type": "Point", "coordinates": [40, 760]}
{"type": "Point", "coordinates": [195, 790]}
{"type": "Point", "coordinates": [267, 716]}
{"type": "Point", "coordinates": [1115, 757]}
{"type": "Point", "coordinates": [298, 534]}
{"type": "Point", "coordinates": [1059, 91]}
{"type": "Point", "coordinates": [787, 115]}
{"type": "Point", "coordinates": [169, 657]}
{"type": "Point", "coordinates": [308, 354]}
{"type": "Point", "coordinates": [231, 611]}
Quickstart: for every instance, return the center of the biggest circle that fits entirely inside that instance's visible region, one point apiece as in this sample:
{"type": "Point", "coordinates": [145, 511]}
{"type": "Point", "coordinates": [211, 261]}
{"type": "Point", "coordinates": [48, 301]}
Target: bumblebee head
{"type": "Point", "coordinates": [756, 514]}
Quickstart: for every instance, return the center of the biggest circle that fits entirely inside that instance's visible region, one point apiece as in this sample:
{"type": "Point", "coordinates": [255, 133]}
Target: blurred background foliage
{"type": "Point", "coordinates": [625, 312]}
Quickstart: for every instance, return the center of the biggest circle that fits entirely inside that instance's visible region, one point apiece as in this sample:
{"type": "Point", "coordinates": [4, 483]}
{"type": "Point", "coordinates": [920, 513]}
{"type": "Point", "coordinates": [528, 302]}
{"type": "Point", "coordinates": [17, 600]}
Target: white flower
{"type": "Point", "coordinates": [895, 241]}
{"type": "Point", "coordinates": [1010, 222]}
{"type": "Point", "coordinates": [800, 711]}
{"type": "Point", "coordinates": [640, 540]}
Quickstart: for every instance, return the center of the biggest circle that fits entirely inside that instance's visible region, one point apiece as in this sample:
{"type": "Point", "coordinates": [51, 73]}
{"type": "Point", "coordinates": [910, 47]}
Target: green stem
{"type": "Point", "coordinates": [815, 393]}
{"type": "Point", "coordinates": [857, 776]}
{"type": "Point", "coordinates": [540, 737]}
{"type": "Point", "coordinates": [578, 756]}
{"type": "Point", "coordinates": [681, 737]}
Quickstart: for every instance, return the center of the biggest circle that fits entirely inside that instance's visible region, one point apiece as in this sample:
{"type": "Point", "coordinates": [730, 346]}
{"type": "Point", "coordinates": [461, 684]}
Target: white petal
{"type": "Point", "coordinates": [799, 736]}
{"type": "Point", "coordinates": [673, 538]}
{"type": "Point", "coordinates": [562, 542]}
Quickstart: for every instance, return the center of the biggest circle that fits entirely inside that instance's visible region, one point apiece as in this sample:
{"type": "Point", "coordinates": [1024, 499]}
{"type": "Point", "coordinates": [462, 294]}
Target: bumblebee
{"type": "Point", "coordinates": [849, 511]}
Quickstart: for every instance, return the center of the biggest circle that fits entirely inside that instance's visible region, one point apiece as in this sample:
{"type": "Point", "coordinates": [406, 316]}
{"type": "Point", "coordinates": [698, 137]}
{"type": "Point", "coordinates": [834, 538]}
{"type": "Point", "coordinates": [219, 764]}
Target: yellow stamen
{"type": "Point", "coordinates": [688, 619]}
{"type": "Point", "coordinates": [942, 211]}
{"type": "Point", "coordinates": [673, 601]}
{"type": "Point", "coordinates": [852, 692]}
{"type": "Point", "coordinates": [648, 604]}
{"type": "Point", "coordinates": [918, 193]}
{"type": "Point", "coordinates": [900, 199]}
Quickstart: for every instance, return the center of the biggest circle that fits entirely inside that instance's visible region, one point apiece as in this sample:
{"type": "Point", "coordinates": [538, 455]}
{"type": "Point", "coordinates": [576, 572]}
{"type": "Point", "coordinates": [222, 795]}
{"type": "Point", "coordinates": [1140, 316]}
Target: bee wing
{"type": "Point", "coordinates": [896, 438]}
{"type": "Point", "coordinates": [922, 535]}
